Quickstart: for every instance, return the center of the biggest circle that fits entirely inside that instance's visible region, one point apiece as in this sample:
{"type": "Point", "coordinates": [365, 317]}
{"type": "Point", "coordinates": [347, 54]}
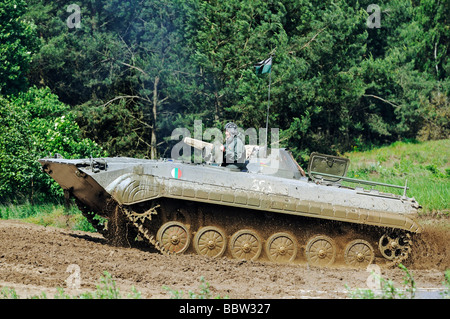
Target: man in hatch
{"type": "Point", "coordinates": [234, 148]}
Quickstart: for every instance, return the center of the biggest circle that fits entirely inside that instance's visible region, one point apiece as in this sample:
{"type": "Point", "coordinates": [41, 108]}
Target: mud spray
{"type": "Point", "coordinates": [431, 248]}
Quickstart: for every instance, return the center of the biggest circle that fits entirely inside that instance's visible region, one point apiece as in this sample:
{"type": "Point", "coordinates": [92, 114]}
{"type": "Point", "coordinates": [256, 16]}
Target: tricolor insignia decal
{"type": "Point", "coordinates": [176, 173]}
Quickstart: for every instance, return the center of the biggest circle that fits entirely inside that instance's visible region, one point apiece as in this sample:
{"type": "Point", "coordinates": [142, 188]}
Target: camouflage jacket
{"type": "Point", "coordinates": [234, 150]}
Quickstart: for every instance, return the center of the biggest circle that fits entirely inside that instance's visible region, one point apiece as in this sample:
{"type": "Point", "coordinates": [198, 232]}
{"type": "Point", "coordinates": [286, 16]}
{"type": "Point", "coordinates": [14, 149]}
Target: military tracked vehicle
{"type": "Point", "coordinates": [273, 210]}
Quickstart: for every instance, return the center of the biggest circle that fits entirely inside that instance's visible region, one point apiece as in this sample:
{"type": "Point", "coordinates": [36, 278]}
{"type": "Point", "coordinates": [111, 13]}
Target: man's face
{"type": "Point", "coordinates": [227, 134]}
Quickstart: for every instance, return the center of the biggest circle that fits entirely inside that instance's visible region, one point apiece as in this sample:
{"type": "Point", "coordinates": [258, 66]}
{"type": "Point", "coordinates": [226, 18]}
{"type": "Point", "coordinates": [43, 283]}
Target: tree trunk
{"type": "Point", "coordinates": [153, 143]}
{"type": "Point", "coordinates": [218, 107]}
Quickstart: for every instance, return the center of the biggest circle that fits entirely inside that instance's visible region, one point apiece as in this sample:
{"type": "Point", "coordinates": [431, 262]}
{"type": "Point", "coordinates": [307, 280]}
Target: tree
{"type": "Point", "coordinates": [33, 125]}
{"type": "Point", "coordinates": [153, 50]}
{"type": "Point", "coordinates": [17, 43]}
{"type": "Point", "coordinates": [228, 39]}
{"type": "Point", "coordinates": [128, 57]}
{"type": "Point", "coordinates": [136, 70]}
{"type": "Point", "coordinates": [401, 71]}
{"type": "Point", "coordinates": [317, 49]}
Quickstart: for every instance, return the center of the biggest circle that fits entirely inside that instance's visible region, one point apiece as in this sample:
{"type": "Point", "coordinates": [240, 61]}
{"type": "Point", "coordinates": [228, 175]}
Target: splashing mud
{"type": "Point", "coordinates": [431, 249]}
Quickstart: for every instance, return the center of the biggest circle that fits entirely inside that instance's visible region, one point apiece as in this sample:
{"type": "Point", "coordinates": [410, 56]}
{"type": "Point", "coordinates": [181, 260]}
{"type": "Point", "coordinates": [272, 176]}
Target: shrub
{"type": "Point", "coordinates": [33, 125]}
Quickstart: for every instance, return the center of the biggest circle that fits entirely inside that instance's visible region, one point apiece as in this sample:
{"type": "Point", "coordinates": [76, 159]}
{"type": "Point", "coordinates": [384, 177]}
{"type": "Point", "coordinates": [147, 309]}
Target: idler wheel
{"type": "Point", "coordinates": [210, 241]}
{"type": "Point", "coordinates": [359, 253]}
{"type": "Point", "coordinates": [281, 247]}
{"type": "Point", "coordinates": [394, 245]}
{"type": "Point", "coordinates": [245, 244]}
{"type": "Point", "coordinates": [174, 237]}
{"type": "Point", "coordinates": [320, 251]}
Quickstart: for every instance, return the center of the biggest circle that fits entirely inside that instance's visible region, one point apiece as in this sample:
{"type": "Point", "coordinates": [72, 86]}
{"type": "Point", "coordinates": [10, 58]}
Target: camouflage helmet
{"type": "Point", "coordinates": [231, 128]}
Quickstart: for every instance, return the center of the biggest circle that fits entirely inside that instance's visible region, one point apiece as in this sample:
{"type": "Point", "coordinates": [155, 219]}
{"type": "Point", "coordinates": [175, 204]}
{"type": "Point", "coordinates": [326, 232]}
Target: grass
{"type": "Point", "coordinates": [47, 215]}
{"type": "Point", "coordinates": [202, 293]}
{"type": "Point", "coordinates": [107, 289]}
{"type": "Point", "coordinates": [389, 291]}
{"type": "Point", "coordinates": [425, 166]}
{"type": "Point", "coordinates": [387, 288]}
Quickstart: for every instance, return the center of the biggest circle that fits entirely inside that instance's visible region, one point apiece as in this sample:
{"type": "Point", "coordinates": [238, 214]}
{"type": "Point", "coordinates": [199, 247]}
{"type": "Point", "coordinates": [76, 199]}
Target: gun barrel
{"type": "Point", "coordinates": [197, 143]}
{"type": "Point", "coordinates": [249, 149]}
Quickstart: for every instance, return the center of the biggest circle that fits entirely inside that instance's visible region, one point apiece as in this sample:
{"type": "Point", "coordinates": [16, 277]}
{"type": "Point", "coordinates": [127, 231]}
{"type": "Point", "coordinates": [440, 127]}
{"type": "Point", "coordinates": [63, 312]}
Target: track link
{"type": "Point", "coordinates": [138, 220]}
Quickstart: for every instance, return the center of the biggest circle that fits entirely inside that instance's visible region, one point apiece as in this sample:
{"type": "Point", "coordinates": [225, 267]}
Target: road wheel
{"type": "Point", "coordinates": [359, 253]}
{"type": "Point", "coordinates": [210, 241]}
{"type": "Point", "coordinates": [245, 244]}
{"type": "Point", "coordinates": [281, 247]}
{"type": "Point", "coordinates": [320, 251]}
{"type": "Point", "coordinates": [174, 237]}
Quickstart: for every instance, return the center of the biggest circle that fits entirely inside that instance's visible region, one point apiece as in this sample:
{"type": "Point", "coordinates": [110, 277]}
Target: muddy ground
{"type": "Point", "coordinates": [36, 259]}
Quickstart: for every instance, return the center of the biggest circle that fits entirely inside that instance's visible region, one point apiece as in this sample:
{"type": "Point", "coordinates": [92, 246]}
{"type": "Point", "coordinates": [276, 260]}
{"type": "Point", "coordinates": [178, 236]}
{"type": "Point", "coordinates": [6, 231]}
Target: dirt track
{"type": "Point", "coordinates": [34, 259]}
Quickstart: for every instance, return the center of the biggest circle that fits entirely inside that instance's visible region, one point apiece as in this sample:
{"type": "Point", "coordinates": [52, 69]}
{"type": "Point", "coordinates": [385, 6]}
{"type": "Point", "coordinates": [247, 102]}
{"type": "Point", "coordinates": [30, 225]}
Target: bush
{"type": "Point", "coordinates": [33, 125]}
{"type": "Point", "coordinates": [435, 118]}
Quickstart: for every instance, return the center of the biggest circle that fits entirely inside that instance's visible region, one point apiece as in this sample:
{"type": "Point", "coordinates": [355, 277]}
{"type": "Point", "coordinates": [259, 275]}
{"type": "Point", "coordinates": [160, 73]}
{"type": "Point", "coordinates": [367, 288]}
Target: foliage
{"type": "Point", "coordinates": [435, 115]}
{"type": "Point", "coordinates": [33, 125]}
{"type": "Point", "coordinates": [136, 70]}
{"type": "Point", "coordinates": [425, 166]}
{"type": "Point", "coordinates": [133, 69]}
{"type": "Point", "coordinates": [54, 215]}
{"type": "Point", "coordinates": [167, 63]}
{"type": "Point", "coordinates": [446, 283]}
{"type": "Point", "coordinates": [202, 293]}
{"type": "Point", "coordinates": [8, 293]}
{"type": "Point", "coordinates": [18, 42]}
{"type": "Point", "coordinates": [107, 289]}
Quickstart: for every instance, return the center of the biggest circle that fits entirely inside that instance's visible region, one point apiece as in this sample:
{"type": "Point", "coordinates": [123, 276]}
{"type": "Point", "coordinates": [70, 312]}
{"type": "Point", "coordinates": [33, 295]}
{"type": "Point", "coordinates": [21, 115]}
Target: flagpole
{"type": "Point", "coordinates": [261, 69]}
{"type": "Point", "coordinates": [268, 106]}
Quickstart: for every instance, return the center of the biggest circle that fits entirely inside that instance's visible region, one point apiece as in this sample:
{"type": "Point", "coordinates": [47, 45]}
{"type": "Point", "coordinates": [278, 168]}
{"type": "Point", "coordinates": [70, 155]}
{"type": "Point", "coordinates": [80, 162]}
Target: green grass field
{"type": "Point", "coordinates": [47, 215]}
{"type": "Point", "coordinates": [425, 165]}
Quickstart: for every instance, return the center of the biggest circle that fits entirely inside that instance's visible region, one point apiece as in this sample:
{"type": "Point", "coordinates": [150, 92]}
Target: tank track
{"type": "Point", "coordinates": [86, 212]}
{"type": "Point", "coordinates": [140, 220]}
{"type": "Point", "coordinates": [137, 220]}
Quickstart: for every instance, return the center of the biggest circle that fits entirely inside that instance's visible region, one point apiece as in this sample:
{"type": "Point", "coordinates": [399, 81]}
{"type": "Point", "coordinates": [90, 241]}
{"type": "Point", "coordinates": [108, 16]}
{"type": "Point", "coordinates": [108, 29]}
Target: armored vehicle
{"type": "Point", "coordinates": [273, 210]}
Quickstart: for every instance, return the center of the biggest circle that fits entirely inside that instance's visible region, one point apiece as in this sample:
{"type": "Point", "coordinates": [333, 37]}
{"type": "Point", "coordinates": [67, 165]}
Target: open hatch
{"type": "Point", "coordinates": [327, 168]}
